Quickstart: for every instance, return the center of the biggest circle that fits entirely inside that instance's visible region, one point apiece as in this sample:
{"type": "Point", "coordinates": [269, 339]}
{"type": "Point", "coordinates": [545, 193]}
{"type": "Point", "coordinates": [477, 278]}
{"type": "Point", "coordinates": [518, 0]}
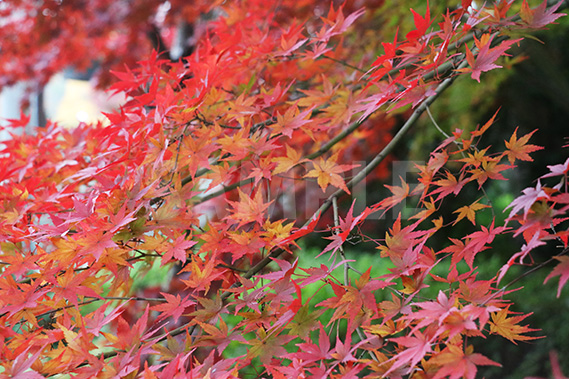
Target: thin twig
{"type": "Point", "coordinates": [341, 248]}
{"type": "Point", "coordinates": [344, 63]}
{"type": "Point", "coordinates": [435, 123]}
{"type": "Point", "coordinates": [534, 269]}
{"type": "Point", "coordinates": [347, 266]}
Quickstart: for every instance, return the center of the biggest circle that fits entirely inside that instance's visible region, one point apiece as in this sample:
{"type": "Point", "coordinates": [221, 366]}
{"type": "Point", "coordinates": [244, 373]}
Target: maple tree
{"type": "Point", "coordinates": [222, 162]}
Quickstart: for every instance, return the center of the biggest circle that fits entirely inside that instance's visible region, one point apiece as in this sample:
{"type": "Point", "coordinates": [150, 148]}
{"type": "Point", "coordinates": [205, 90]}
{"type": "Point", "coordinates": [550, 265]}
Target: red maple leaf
{"type": "Point", "coordinates": [82, 210]}
{"type": "Point", "coordinates": [416, 348]}
{"type": "Point", "coordinates": [345, 227]}
{"type": "Point", "coordinates": [96, 243]}
{"type": "Point", "coordinates": [561, 270]}
{"type": "Point", "coordinates": [338, 23]}
{"type": "Point", "coordinates": [519, 256]}
{"type": "Point", "coordinates": [311, 352]}
{"type": "Point", "coordinates": [304, 230]}
{"type": "Point", "coordinates": [174, 306]}
{"type": "Point", "coordinates": [178, 250]}
{"type": "Point", "coordinates": [484, 60]}
{"type": "Point", "coordinates": [540, 16]}
{"type": "Point", "coordinates": [477, 241]}
{"type": "Point", "coordinates": [449, 185]}
{"type": "Point", "coordinates": [421, 24]}
{"type": "Point", "coordinates": [22, 365]}
{"type": "Point", "coordinates": [120, 219]}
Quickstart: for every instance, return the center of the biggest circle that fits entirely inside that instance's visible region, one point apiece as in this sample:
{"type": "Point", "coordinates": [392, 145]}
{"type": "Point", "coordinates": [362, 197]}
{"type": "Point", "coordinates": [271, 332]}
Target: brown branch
{"type": "Point", "coordinates": [92, 299]}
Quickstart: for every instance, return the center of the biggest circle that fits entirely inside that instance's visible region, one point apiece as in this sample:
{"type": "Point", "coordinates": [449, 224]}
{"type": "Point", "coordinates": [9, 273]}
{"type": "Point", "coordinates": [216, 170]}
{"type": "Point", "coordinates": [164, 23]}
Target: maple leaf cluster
{"type": "Point", "coordinates": [204, 170]}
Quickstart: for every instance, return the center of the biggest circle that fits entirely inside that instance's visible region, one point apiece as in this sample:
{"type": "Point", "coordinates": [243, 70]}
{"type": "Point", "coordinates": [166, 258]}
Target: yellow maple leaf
{"type": "Point", "coordinates": [469, 211]}
{"type": "Point", "coordinates": [430, 208]}
{"type": "Point", "coordinates": [508, 327]}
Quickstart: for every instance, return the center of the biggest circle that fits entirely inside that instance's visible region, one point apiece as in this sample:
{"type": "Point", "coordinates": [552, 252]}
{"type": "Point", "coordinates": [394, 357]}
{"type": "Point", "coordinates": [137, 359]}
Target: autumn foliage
{"type": "Point", "coordinates": [222, 162]}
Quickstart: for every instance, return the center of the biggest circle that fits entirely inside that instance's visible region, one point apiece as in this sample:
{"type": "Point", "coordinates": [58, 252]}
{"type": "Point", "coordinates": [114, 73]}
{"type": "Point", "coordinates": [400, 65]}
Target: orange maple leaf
{"type": "Point", "coordinates": [316, 96]}
{"type": "Point", "coordinates": [481, 130]}
{"type": "Point", "coordinates": [203, 272]}
{"type": "Point", "coordinates": [248, 209]}
{"type": "Point", "coordinates": [326, 172]}
{"type": "Point", "coordinates": [293, 157]}
{"type": "Point", "coordinates": [476, 159]}
{"type": "Point", "coordinates": [518, 148]}
{"type": "Point", "coordinates": [457, 363]}
{"type": "Point", "coordinates": [237, 146]}
{"type": "Point", "coordinates": [449, 185]}
{"type": "Point", "coordinates": [429, 208]}
{"type": "Point", "coordinates": [489, 170]}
